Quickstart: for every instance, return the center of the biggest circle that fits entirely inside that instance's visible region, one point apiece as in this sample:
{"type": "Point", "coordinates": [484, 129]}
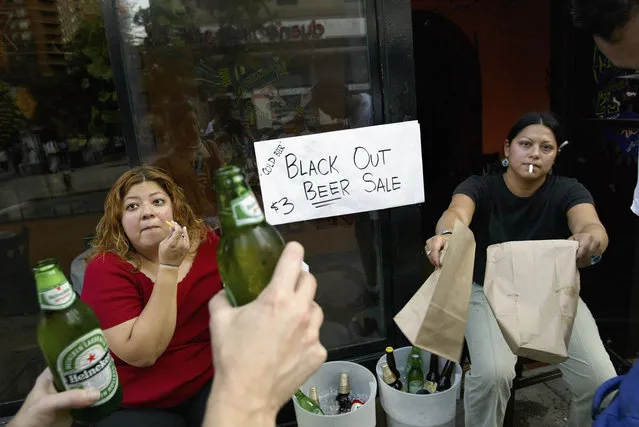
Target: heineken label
{"type": "Point", "coordinates": [87, 363]}
{"type": "Point", "coordinates": [57, 297]}
{"type": "Point", "coordinates": [246, 210]}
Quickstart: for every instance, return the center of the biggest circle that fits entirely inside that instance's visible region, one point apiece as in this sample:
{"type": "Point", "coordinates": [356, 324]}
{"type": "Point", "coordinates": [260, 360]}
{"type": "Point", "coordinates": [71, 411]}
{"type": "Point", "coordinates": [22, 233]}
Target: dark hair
{"type": "Point", "coordinates": [602, 17]}
{"type": "Point", "coordinates": [537, 118]}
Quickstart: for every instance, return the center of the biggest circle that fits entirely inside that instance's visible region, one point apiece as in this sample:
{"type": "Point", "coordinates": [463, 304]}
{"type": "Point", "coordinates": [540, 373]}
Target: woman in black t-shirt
{"type": "Point", "coordinates": [526, 202]}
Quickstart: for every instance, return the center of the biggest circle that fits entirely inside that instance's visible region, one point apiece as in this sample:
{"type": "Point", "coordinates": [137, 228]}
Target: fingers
{"type": "Point", "coordinates": [316, 321]}
{"type": "Point", "coordinates": [219, 303]}
{"type": "Point", "coordinates": [288, 268]}
{"type": "Point", "coordinates": [306, 286]}
{"type": "Point", "coordinates": [434, 246]}
{"type": "Point", "coordinates": [71, 399]}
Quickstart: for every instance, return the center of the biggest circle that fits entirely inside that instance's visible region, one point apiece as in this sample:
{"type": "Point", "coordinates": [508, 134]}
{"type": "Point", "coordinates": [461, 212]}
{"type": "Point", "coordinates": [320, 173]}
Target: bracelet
{"type": "Point", "coordinates": [170, 265]}
{"type": "Point", "coordinates": [445, 232]}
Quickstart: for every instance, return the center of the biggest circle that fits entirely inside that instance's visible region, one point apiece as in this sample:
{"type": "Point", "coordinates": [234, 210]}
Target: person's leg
{"type": "Point", "coordinates": [587, 367]}
{"type": "Point", "coordinates": [487, 385]}
{"type": "Point", "coordinates": [142, 418]}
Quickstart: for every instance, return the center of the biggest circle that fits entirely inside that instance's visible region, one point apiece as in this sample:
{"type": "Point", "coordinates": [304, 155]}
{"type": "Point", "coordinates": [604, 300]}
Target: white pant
{"type": "Point", "coordinates": [487, 386]}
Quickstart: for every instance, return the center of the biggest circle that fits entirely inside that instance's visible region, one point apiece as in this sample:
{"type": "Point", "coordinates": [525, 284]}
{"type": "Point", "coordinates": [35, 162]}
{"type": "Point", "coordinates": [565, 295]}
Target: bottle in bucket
{"type": "Point", "coordinates": [390, 359]}
{"type": "Point", "coordinates": [446, 380]}
{"type": "Point", "coordinates": [249, 247]}
{"type": "Point", "coordinates": [312, 394]}
{"type": "Point", "coordinates": [344, 394]}
{"type": "Point", "coordinates": [432, 377]}
{"type": "Point", "coordinates": [73, 344]}
{"type": "Point", "coordinates": [413, 350]}
{"type": "Point", "coordinates": [415, 375]}
{"type": "Point", "coordinates": [390, 378]}
{"type": "Point", "coordinates": [307, 403]}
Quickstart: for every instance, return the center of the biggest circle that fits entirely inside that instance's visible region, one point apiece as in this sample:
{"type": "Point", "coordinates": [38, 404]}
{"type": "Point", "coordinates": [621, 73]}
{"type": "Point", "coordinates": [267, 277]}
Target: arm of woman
{"type": "Point", "coordinates": [587, 229]}
{"type": "Point", "coordinates": [142, 340]}
{"type": "Point", "coordinates": [137, 333]}
{"type": "Point", "coordinates": [461, 208]}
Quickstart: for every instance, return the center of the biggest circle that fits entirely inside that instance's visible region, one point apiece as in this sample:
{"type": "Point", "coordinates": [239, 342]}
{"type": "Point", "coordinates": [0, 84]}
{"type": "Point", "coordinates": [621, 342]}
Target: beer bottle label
{"type": "Point", "coordinates": [246, 210]}
{"type": "Point", "coordinates": [57, 297]}
{"type": "Point", "coordinates": [87, 363]}
{"type": "Point", "coordinates": [414, 386]}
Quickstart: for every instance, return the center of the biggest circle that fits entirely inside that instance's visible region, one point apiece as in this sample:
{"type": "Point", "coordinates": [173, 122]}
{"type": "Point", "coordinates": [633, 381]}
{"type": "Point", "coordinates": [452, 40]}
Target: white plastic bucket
{"type": "Point", "coordinates": [418, 410]}
{"type": "Point", "coordinates": [326, 379]}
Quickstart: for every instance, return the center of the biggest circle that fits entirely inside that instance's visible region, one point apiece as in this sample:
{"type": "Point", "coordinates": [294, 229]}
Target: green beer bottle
{"type": "Point", "coordinates": [73, 344]}
{"type": "Point", "coordinates": [415, 375]}
{"type": "Point", "coordinates": [249, 247]}
{"type": "Point", "coordinates": [307, 403]}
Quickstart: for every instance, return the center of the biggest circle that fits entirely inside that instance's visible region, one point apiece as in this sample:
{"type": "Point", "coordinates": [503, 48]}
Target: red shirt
{"type": "Point", "coordinates": [116, 293]}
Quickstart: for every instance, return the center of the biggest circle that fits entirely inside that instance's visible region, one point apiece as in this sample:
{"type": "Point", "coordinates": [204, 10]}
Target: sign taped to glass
{"type": "Point", "coordinates": [342, 172]}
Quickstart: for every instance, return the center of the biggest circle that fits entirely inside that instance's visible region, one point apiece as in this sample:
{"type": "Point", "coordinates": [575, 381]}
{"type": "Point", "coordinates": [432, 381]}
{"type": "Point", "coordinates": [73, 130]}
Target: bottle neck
{"type": "Point", "coordinates": [238, 206]}
{"type": "Point", "coordinates": [55, 295]}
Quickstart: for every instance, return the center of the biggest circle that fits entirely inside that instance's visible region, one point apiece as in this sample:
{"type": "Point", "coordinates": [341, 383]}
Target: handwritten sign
{"type": "Point", "coordinates": [342, 172]}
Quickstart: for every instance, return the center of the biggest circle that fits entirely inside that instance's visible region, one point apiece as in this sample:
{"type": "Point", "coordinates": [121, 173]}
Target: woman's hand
{"type": "Point", "coordinates": [434, 248]}
{"type": "Point", "coordinates": [589, 248]}
{"type": "Point", "coordinates": [174, 248]}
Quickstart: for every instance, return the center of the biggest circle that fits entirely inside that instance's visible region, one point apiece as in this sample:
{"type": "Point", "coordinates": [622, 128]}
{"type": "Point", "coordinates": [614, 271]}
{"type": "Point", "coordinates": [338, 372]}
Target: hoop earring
{"type": "Point", "coordinates": [505, 162]}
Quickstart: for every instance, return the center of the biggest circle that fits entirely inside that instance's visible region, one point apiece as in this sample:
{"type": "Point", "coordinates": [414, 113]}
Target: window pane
{"type": "Point", "coordinates": [210, 78]}
{"type": "Point", "coordinates": [60, 150]}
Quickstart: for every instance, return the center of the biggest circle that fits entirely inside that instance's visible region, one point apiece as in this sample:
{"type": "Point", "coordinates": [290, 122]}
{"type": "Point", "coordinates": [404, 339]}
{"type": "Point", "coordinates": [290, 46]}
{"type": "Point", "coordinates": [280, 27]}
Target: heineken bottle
{"type": "Point", "coordinates": [249, 247]}
{"type": "Point", "coordinates": [73, 344]}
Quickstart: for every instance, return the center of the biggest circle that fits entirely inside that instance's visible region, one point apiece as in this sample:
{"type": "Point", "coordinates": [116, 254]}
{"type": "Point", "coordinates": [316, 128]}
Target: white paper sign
{"type": "Point", "coordinates": [342, 172]}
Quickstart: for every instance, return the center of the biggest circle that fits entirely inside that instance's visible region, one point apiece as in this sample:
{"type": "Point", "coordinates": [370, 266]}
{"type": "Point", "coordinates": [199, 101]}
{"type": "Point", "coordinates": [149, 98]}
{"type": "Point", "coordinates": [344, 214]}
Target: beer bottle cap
{"type": "Point", "coordinates": [344, 388]}
{"type": "Point", "coordinates": [389, 349]}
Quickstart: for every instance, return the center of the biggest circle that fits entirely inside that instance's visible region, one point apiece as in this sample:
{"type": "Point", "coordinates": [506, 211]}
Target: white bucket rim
{"type": "Point", "coordinates": [372, 390]}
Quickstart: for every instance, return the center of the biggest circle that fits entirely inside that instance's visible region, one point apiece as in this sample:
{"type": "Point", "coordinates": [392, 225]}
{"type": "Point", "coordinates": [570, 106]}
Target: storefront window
{"type": "Point", "coordinates": [211, 78]}
{"type": "Point", "coordinates": [61, 148]}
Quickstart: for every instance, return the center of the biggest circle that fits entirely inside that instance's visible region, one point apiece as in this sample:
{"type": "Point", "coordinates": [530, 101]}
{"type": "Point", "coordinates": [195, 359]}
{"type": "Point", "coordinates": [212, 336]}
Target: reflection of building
{"type": "Point", "coordinates": [32, 37]}
{"type": "Point", "coordinates": [71, 12]}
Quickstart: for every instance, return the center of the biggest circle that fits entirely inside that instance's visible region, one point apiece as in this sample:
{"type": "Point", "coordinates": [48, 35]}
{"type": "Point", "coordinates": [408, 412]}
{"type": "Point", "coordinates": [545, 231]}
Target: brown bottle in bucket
{"type": "Point", "coordinates": [446, 380]}
{"type": "Point", "coordinates": [432, 377]}
{"type": "Point", "coordinates": [344, 394]}
{"type": "Point", "coordinates": [390, 378]}
{"type": "Point", "coordinates": [390, 359]}
{"type": "Point", "coordinates": [312, 394]}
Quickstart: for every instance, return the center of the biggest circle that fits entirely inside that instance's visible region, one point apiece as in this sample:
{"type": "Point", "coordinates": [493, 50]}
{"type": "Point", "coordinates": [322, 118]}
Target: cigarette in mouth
{"type": "Point", "coordinates": [530, 169]}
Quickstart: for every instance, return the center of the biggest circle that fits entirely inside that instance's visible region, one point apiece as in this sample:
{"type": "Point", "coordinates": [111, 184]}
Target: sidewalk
{"type": "Point", "coordinates": [35, 196]}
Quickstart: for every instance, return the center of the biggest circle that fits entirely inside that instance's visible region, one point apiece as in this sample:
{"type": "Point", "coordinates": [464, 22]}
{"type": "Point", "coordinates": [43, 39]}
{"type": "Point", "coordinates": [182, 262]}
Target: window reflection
{"type": "Point", "coordinates": [61, 148]}
{"type": "Point", "coordinates": [214, 77]}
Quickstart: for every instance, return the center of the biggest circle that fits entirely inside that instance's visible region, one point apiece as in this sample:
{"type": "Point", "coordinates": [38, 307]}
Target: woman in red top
{"type": "Point", "coordinates": [149, 284]}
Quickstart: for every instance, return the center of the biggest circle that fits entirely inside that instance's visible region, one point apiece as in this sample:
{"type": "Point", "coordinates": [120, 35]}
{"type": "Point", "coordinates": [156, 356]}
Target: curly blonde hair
{"type": "Point", "coordinates": [110, 235]}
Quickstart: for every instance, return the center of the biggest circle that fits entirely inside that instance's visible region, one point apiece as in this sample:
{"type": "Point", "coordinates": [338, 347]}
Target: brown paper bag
{"type": "Point", "coordinates": [435, 317]}
{"type": "Point", "coordinates": [533, 289]}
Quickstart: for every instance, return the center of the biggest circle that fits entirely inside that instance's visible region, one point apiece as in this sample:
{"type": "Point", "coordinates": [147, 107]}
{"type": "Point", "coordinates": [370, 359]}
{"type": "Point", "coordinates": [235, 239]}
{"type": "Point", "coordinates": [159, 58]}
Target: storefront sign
{"type": "Point", "coordinates": [312, 30]}
{"type": "Point", "coordinates": [338, 173]}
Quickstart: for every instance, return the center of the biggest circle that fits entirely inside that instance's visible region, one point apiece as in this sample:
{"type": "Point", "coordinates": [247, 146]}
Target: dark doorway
{"type": "Point", "coordinates": [449, 110]}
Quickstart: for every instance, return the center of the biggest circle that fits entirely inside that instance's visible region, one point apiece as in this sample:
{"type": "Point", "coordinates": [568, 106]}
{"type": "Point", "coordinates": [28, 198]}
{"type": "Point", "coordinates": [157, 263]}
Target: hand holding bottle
{"type": "Point", "coordinates": [263, 351]}
{"type": "Point", "coordinates": [45, 407]}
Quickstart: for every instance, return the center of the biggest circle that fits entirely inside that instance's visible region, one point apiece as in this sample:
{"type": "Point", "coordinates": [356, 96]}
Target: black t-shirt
{"type": "Point", "coordinates": [500, 216]}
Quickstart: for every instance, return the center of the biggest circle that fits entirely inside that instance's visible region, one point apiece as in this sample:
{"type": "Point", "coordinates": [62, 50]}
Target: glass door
{"type": "Point", "coordinates": [203, 80]}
